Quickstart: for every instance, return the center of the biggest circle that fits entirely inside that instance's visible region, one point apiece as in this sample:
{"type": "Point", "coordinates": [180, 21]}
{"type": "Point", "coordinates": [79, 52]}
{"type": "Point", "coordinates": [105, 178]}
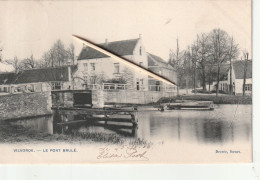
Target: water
{"type": "Point", "coordinates": [226, 124]}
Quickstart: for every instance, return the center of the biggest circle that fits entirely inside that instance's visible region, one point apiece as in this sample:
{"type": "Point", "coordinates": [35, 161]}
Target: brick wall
{"type": "Point", "coordinates": [25, 105]}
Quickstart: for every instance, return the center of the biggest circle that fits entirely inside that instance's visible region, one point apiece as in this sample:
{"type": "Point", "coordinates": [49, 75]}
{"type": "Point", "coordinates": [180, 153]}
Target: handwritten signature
{"type": "Point", "coordinates": [131, 152]}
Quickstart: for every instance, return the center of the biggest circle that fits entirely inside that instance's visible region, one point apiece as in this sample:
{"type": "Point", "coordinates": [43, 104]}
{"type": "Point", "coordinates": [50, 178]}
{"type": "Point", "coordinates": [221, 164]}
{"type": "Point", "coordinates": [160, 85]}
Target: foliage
{"type": "Point", "coordinates": [120, 80]}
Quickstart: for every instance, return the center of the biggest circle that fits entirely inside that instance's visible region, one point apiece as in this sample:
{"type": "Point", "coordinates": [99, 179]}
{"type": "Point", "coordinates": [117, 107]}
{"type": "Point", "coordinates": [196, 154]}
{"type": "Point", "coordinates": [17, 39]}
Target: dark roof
{"type": "Point", "coordinates": [120, 48]}
{"type": "Point", "coordinates": [36, 75]}
{"type": "Point", "coordinates": [239, 69]}
{"type": "Point", "coordinates": [154, 60]}
{"type": "Point", "coordinates": [223, 73]}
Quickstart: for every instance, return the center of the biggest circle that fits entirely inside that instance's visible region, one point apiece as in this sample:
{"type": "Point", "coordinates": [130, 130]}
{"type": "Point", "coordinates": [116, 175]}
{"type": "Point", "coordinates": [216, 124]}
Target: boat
{"type": "Point", "coordinates": [187, 105]}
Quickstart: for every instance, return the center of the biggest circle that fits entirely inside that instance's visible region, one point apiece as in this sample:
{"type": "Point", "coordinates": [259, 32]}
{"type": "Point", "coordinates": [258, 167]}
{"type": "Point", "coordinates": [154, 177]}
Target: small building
{"type": "Point", "coordinates": [37, 80]}
{"type": "Point", "coordinates": [99, 70]}
{"type": "Point", "coordinates": [238, 68]}
{"type": "Point", "coordinates": [161, 67]}
{"type": "Point", "coordinates": [238, 72]}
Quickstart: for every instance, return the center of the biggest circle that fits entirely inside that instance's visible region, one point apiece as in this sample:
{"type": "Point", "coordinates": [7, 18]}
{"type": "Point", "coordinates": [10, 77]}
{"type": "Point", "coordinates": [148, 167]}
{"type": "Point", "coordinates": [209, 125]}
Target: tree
{"type": "Point", "coordinates": [58, 55]}
{"type": "Point", "coordinates": [245, 54]}
{"type": "Point", "coordinates": [176, 60]}
{"type": "Point", "coordinates": [203, 47]}
{"type": "Point", "coordinates": [194, 60]}
{"type": "Point", "coordinates": [71, 53]}
{"type": "Point", "coordinates": [15, 63]}
{"type": "Point", "coordinates": [28, 63]}
{"type": "Point", "coordinates": [1, 54]}
{"type": "Point", "coordinates": [233, 53]}
{"type": "Point", "coordinates": [220, 50]}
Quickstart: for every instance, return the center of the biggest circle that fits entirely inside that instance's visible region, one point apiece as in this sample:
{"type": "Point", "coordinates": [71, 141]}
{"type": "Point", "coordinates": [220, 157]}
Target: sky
{"type": "Point", "coordinates": [32, 27]}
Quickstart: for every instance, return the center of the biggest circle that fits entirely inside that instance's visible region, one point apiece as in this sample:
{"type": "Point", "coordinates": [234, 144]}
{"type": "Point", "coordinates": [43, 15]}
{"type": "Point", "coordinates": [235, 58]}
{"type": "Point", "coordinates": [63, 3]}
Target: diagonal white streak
{"type": "Point", "coordinates": [128, 63]}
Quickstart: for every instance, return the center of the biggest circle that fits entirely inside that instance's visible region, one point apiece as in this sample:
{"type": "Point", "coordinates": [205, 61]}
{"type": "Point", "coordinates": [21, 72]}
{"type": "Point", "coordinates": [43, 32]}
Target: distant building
{"type": "Point", "coordinates": [238, 69]}
{"type": "Point", "coordinates": [37, 80]}
{"type": "Point", "coordinates": [95, 68]}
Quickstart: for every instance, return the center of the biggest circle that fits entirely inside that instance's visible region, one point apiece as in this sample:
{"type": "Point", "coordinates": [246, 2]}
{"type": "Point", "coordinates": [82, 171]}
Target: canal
{"type": "Point", "coordinates": [226, 124]}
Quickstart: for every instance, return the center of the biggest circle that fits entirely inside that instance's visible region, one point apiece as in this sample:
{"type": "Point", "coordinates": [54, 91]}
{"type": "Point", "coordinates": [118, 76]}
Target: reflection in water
{"type": "Point", "coordinates": [219, 126]}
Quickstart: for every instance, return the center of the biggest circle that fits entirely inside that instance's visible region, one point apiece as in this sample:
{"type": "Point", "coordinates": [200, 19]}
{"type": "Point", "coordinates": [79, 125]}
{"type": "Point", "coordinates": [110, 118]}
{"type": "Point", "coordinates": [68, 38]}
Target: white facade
{"type": "Point", "coordinates": [96, 71]}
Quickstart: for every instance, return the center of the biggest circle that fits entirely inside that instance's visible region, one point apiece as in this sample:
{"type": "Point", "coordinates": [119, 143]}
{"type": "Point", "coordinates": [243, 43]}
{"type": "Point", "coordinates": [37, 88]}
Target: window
{"type": "Point", "coordinates": [140, 51]}
{"type": "Point", "coordinates": [92, 79]}
{"type": "Point", "coordinates": [142, 81]}
{"type": "Point", "coordinates": [116, 68]}
{"type": "Point", "coordinates": [248, 87]}
{"type": "Point", "coordinates": [93, 68]}
{"type": "Point", "coordinates": [85, 79]}
{"type": "Point", "coordinates": [85, 66]}
{"type": "Point", "coordinates": [56, 85]}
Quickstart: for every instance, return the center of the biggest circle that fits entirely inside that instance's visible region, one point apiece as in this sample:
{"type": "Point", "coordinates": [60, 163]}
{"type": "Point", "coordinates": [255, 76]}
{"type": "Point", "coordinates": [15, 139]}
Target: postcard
{"type": "Point", "coordinates": [143, 82]}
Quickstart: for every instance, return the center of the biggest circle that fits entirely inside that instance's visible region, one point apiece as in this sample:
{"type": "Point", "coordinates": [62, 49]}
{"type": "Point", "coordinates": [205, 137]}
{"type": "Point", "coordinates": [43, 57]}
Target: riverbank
{"type": "Point", "coordinates": [222, 99]}
{"type": "Point", "coordinates": [11, 133]}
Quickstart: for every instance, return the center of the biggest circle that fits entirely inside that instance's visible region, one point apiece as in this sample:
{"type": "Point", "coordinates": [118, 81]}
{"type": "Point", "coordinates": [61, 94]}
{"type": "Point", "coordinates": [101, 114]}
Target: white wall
{"type": "Point", "coordinates": [104, 68]}
{"type": "Point", "coordinates": [239, 86]}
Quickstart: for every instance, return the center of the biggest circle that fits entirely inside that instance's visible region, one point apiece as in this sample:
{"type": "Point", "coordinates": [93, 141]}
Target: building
{"type": "Point", "coordinates": [97, 69]}
{"type": "Point", "coordinates": [238, 72]}
{"type": "Point", "coordinates": [37, 80]}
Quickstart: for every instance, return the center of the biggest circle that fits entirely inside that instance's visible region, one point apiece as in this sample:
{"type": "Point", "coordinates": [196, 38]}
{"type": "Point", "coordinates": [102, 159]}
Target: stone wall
{"type": "Point", "coordinates": [15, 106]}
{"type": "Point", "coordinates": [135, 97]}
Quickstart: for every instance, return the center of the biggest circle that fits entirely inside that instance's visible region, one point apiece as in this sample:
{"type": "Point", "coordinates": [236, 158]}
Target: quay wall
{"type": "Point", "coordinates": [16, 106]}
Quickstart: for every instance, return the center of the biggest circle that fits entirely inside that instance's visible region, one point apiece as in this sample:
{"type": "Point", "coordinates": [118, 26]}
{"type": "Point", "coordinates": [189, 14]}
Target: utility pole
{"type": "Point", "coordinates": [245, 70]}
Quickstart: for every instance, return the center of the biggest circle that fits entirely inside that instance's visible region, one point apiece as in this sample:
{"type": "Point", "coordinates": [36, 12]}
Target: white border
{"type": "Point", "coordinates": [179, 172]}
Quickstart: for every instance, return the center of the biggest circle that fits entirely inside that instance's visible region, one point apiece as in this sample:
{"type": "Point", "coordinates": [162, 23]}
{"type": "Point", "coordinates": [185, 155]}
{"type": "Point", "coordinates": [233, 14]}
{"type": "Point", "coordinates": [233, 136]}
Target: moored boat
{"type": "Point", "coordinates": [188, 105]}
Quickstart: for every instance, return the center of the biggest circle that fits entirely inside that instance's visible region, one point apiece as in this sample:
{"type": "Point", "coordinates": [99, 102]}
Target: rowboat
{"type": "Point", "coordinates": [187, 105]}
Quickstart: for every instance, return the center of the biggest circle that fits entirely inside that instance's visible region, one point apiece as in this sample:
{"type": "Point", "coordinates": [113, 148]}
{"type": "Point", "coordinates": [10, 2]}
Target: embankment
{"type": "Point", "coordinates": [17, 106]}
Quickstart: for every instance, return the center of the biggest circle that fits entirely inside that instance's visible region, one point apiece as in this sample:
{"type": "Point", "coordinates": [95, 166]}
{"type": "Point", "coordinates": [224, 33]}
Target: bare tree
{"type": "Point", "coordinates": [1, 54]}
{"type": "Point", "coordinates": [71, 53]}
{"type": "Point", "coordinates": [233, 53]}
{"type": "Point", "coordinates": [15, 63]}
{"type": "Point", "coordinates": [245, 54]}
{"type": "Point", "coordinates": [203, 47]}
{"type": "Point", "coordinates": [219, 40]}
{"type": "Point", "coordinates": [28, 63]}
{"type": "Point", "coordinates": [176, 60]}
{"type": "Point", "coordinates": [194, 60]}
{"type": "Point", "coordinates": [58, 55]}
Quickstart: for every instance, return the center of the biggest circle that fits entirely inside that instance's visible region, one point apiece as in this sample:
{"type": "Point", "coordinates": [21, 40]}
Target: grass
{"type": "Point", "coordinates": [10, 133]}
{"type": "Point", "coordinates": [227, 99]}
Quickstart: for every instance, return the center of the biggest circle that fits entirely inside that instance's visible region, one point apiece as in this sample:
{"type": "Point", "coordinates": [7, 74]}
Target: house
{"type": "Point", "coordinates": [223, 77]}
{"type": "Point", "coordinates": [238, 72]}
{"type": "Point", "coordinates": [162, 68]}
{"type": "Point", "coordinates": [37, 80]}
{"type": "Point", "coordinates": [98, 69]}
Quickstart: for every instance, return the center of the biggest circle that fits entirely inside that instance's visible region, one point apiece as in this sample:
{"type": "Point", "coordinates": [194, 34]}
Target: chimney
{"type": "Point", "coordinates": [140, 36]}
{"type": "Point", "coordinates": [106, 41]}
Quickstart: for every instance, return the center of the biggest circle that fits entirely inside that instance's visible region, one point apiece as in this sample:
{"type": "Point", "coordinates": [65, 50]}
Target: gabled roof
{"type": "Point", "coordinates": [154, 60]}
{"type": "Point", "coordinates": [223, 73]}
{"type": "Point", "coordinates": [239, 66]}
{"type": "Point", "coordinates": [36, 75]}
{"type": "Point", "coordinates": [120, 48]}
